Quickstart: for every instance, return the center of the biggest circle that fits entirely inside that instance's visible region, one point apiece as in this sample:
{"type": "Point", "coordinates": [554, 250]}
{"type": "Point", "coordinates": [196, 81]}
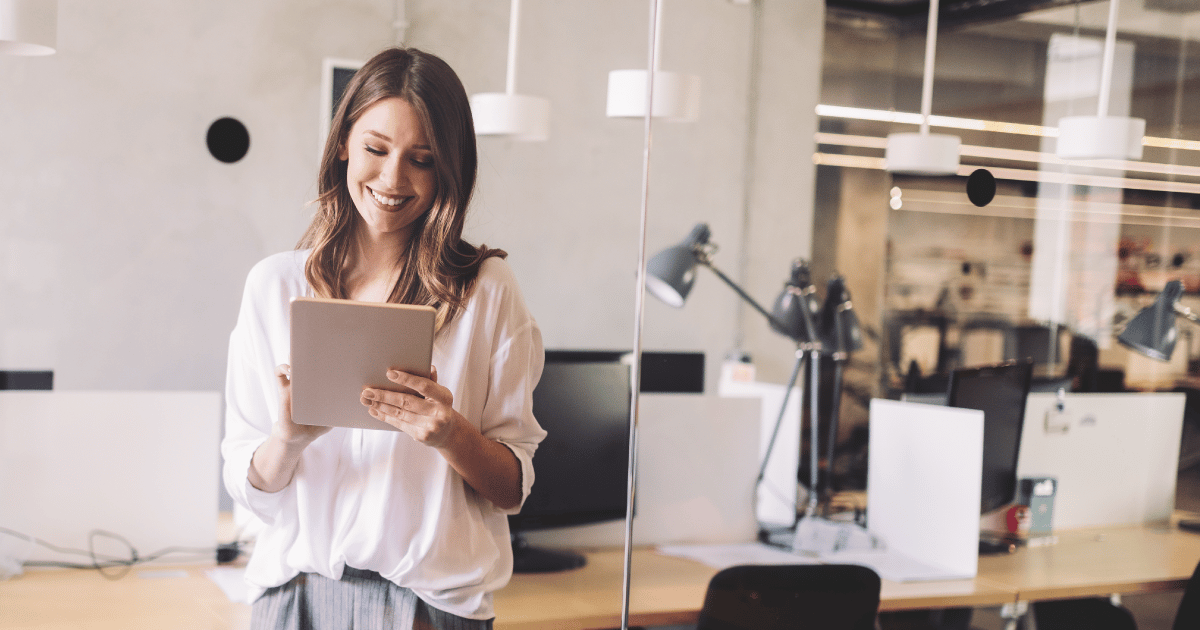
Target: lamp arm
{"type": "Point", "coordinates": [745, 296]}
{"type": "Point", "coordinates": [1187, 313]}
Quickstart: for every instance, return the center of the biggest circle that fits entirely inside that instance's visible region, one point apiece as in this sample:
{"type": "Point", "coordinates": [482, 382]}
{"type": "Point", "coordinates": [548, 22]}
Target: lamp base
{"type": "Point", "coordinates": [816, 535]}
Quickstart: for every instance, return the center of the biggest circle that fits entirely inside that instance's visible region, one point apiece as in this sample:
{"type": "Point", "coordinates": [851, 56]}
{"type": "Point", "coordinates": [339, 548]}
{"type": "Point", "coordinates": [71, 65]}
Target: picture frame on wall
{"type": "Point", "coordinates": [335, 75]}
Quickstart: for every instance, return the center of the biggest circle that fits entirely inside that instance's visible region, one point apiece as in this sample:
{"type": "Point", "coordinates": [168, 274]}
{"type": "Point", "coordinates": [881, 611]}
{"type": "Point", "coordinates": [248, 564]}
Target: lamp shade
{"type": "Point", "coordinates": [922, 153]}
{"type": "Point", "coordinates": [839, 327]}
{"type": "Point", "coordinates": [1152, 331]}
{"type": "Point", "coordinates": [671, 273]}
{"type": "Point", "coordinates": [519, 116]}
{"type": "Point", "coordinates": [796, 308]}
{"type": "Point", "coordinates": [1100, 137]}
{"type": "Point", "coordinates": [676, 95]}
{"type": "Point", "coordinates": [28, 27]}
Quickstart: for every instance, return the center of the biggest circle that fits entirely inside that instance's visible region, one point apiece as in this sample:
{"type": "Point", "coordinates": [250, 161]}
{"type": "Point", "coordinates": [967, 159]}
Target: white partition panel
{"type": "Point", "coordinates": [142, 465]}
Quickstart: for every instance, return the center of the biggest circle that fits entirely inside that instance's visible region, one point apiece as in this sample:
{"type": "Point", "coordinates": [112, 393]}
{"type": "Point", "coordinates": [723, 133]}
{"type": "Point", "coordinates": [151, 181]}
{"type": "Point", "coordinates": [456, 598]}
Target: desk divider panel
{"type": "Point", "coordinates": [142, 465]}
{"type": "Point", "coordinates": [923, 482]}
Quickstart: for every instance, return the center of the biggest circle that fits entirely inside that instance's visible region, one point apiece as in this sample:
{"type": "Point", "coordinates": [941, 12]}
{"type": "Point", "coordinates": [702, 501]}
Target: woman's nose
{"type": "Point", "coordinates": [393, 172]}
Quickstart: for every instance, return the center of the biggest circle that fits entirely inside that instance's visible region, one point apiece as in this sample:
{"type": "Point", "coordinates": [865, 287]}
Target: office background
{"type": "Point", "coordinates": [125, 243]}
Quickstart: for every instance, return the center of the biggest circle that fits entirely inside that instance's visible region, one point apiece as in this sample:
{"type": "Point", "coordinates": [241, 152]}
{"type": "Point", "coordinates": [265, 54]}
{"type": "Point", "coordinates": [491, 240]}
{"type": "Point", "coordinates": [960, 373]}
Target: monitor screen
{"type": "Point", "coordinates": [999, 391]}
{"type": "Point", "coordinates": [582, 467]}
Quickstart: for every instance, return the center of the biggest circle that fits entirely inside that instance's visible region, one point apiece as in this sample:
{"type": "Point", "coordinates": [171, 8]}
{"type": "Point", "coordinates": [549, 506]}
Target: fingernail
{"type": "Point", "coordinates": [369, 394]}
{"type": "Point", "coordinates": [393, 374]}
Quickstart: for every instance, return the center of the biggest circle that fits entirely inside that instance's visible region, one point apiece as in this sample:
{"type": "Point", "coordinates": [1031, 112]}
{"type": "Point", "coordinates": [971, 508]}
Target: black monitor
{"type": "Point", "coordinates": [581, 469]}
{"type": "Point", "coordinates": [1000, 392]}
{"type": "Point", "coordinates": [27, 379]}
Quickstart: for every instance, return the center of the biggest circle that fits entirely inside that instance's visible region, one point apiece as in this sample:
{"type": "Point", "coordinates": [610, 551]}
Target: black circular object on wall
{"type": "Point", "coordinates": [228, 140]}
{"type": "Point", "coordinates": [981, 187]}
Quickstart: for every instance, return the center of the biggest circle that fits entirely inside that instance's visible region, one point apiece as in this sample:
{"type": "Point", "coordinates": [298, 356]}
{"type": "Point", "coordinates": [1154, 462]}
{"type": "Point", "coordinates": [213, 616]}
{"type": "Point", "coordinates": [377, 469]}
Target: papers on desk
{"type": "Point", "coordinates": [724, 556]}
{"type": "Point", "coordinates": [232, 581]}
{"type": "Point", "coordinates": [896, 566]}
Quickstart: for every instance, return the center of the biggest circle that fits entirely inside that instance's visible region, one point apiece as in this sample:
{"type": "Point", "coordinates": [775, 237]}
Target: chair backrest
{"type": "Point", "coordinates": [794, 596]}
{"type": "Point", "coordinates": [1188, 615]}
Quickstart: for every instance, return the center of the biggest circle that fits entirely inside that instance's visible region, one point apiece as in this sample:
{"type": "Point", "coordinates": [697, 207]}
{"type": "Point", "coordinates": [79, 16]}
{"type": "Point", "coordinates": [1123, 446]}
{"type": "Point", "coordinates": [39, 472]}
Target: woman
{"type": "Point", "coordinates": [365, 528]}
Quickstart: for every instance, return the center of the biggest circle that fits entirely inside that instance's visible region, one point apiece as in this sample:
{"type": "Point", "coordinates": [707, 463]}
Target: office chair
{"type": "Point", "coordinates": [794, 596]}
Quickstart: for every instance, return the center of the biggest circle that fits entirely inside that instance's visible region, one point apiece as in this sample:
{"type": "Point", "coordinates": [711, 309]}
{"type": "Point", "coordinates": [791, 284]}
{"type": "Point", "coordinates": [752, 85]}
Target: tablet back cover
{"type": "Point", "coordinates": [341, 346]}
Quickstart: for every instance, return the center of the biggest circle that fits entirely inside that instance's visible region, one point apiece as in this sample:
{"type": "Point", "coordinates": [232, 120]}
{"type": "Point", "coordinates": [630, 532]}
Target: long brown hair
{"type": "Point", "coordinates": [438, 267]}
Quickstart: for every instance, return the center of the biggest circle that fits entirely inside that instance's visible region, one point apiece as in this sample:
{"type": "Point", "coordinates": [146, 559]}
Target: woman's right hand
{"type": "Point", "coordinates": [291, 433]}
{"type": "Point", "coordinates": [274, 463]}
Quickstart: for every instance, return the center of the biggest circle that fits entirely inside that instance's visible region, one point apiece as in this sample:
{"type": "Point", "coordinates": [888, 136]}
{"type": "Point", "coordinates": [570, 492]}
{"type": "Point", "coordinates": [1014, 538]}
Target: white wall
{"type": "Point", "coordinates": [125, 244]}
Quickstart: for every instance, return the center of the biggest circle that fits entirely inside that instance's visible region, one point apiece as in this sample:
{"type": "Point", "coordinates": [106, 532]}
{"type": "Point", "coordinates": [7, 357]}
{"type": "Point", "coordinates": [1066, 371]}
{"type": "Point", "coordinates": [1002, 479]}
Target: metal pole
{"type": "Point", "coordinates": [639, 308]}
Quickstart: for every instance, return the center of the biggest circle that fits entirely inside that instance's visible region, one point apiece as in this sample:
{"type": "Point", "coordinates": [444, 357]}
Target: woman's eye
{"type": "Point", "coordinates": [424, 162]}
{"type": "Point", "coordinates": [374, 151]}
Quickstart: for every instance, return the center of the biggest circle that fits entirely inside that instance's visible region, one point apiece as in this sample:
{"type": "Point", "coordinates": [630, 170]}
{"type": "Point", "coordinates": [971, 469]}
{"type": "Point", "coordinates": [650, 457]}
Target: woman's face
{"type": "Point", "coordinates": [389, 168]}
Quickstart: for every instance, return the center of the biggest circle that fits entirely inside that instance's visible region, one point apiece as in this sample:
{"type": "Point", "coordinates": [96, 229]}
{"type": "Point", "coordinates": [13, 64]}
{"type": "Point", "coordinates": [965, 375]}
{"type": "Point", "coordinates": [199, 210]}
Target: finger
{"type": "Point", "coordinates": [433, 373]}
{"type": "Point", "coordinates": [283, 372]}
{"type": "Point", "coordinates": [421, 386]}
{"type": "Point", "coordinates": [401, 406]}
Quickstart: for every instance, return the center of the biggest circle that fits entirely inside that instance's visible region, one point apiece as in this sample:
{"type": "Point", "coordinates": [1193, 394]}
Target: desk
{"type": "Point", "coordinates": [666, 590]}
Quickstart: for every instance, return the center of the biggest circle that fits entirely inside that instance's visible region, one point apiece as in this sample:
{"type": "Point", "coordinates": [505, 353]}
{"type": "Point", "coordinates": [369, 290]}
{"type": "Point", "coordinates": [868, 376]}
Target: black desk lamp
{"type": "Point", "coordinates": [670, 276]}
{"type": "Point", "coordinates": [1152, 332]}
{"type": "Point", "coordinates": [842, 335]}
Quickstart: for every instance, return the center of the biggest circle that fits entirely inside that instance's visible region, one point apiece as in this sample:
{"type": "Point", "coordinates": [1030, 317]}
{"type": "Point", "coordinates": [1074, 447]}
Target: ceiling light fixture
{"type": "Point", "coordinates": [519, 116]}
{"type": "Point", "coordinates": [28, 27]}
{"type": "Point", "coordinates": [676, 95]}
{"type": "Point", "coordinates": [924, 153]}
{"type": "Point", "coordinates": [1102, 136]}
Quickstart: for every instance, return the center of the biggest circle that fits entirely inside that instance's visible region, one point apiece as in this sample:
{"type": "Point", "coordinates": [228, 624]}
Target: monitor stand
{"type": "Point", "coordinates": [529, 559]}
{"type": "Point", "coordinates": [991, 543]}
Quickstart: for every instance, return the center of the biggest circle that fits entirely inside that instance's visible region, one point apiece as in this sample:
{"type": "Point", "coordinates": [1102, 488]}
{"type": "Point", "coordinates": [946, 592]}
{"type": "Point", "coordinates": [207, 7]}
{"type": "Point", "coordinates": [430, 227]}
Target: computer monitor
{"type": "Point", "coordinates": [582, 467]}
{"type": "Point", "coordinates": [1000, 392]}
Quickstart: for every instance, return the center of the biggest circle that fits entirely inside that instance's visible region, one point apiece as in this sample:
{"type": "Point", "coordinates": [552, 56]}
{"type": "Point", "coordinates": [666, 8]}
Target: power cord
{"type": "Point", "coordinates": [103, 563]}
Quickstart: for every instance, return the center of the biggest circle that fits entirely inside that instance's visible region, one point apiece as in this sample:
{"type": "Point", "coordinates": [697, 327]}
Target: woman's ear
{"type": "Point", "coordinates": [342, 155]}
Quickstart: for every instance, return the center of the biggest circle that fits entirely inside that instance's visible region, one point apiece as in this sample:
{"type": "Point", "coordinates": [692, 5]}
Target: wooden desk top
{"type": "Point", "coordinates": [1099, 562]}
{"type": "Point", "coordinates": [148, 598]}
{"type": "Point", "coordinates": [666, 590]}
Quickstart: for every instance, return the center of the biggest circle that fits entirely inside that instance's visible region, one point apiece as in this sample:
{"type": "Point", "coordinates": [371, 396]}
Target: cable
{"type": "Point", "coordinates": [102, 562]}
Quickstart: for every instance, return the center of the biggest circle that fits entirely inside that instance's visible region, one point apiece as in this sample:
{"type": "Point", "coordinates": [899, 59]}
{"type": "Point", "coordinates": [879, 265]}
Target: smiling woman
{"type": "Point", "coordinates": [414, 520]}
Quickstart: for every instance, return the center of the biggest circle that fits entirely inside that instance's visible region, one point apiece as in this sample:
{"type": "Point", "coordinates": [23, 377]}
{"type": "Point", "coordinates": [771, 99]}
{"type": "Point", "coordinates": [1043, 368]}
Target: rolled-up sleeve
{"type": "Point", "coordinates": [251, 404]}
{"type": "Point", "coordinates": [508, 416]}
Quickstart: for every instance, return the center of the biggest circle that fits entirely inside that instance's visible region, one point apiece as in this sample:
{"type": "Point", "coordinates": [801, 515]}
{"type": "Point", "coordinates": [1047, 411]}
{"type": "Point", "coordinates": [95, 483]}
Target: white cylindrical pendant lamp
{"type": "Point", "coordinates": [922, 153]}
{"type": "Point", "coordinates": [1100, 138]}
{"type": "Point", "coordinates": [519, 116]}
{"type": "Point", "coordinates": [676, 95]}
{"type": "Point", "coordinates": [28, 27]}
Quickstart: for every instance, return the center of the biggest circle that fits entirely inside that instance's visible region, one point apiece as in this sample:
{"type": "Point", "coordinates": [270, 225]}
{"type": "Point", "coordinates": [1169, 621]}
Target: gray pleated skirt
{"type": "Point", "coordinates": [361, 600]}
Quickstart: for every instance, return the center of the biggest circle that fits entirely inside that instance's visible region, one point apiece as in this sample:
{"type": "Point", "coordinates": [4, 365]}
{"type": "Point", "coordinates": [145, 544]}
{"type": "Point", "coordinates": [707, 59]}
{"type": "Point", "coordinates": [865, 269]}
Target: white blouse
{"type": "Point", "coordinates": [379, 500]}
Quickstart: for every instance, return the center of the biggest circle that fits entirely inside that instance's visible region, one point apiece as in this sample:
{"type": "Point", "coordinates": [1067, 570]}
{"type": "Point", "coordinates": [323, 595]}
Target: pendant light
{"type": "Point", "coordinates": [1102, 136]}
{"type": "Point", "coordinates": [676, 95]}
{"type": "Point", "coordinates": [924, 153]}
{"type": "Point", "coordinates": [28, 27]}
{"type": "Point", "coordinates": [519, 116]}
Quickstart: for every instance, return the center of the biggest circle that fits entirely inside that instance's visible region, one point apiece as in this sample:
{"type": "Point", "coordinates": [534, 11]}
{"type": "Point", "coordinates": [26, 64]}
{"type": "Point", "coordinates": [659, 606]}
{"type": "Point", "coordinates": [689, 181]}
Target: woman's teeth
{"type": "Point", "coordinates": [387, 201]}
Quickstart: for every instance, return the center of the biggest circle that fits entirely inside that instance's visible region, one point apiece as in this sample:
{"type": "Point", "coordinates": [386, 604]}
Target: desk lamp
{"type": "Point", "coordinates": [1152, 333]}
{"type": "Point", "coordinates": [842, 335]}
{"type": "Point", "coordinates": [670, 277]}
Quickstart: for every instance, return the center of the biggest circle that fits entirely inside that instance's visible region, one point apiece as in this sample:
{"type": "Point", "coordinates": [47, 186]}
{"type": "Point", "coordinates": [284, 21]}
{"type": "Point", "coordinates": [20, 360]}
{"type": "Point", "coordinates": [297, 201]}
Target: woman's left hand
{"type": "Point", "coordinates": [424, 410]}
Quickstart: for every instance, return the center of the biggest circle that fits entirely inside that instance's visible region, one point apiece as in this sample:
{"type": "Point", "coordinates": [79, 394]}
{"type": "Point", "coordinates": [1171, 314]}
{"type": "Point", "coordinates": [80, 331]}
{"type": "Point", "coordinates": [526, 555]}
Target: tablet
{"type": "Point", "coordinates": [341, 346]}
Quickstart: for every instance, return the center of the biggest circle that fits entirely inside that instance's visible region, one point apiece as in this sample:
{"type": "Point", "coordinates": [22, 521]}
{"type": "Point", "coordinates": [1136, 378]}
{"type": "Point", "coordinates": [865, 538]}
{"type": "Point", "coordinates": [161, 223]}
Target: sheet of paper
{"type": "Point", "coordinates": [723, 556]}
{"type": "Point", "coordinates": [232, 581]}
